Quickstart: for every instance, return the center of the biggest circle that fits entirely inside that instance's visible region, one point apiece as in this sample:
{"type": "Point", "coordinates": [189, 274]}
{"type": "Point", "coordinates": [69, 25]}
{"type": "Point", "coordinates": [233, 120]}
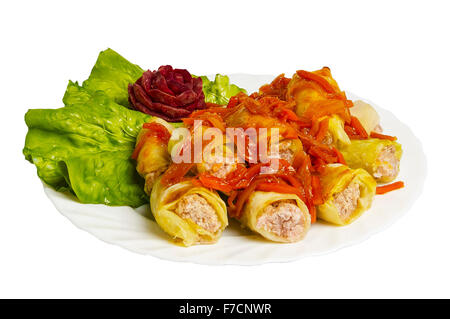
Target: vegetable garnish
{"type": "Point", "coordinates": [85, 147]}
{"type": "Point", "coordinates": [167, 93]}
{"type": "Point", "coordinates": [389, 187]}
{"type": "Point", "coordinates": [382, 136]}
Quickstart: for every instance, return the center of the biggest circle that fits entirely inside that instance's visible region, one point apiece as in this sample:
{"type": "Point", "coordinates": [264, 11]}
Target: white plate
{"type": "Point", "coordinates": [135, 230]}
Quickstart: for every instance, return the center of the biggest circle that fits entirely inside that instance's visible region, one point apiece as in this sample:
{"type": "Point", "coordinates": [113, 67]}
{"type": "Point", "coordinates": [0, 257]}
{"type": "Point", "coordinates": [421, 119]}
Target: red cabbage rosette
{"type": "Point", "coordinates": [168, 93]}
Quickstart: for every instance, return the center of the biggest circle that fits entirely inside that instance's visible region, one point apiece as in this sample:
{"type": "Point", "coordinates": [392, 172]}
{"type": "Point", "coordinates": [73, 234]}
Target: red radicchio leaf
{"type": "Point", "coordinates": [140, 95]}
{"type": "Point", "coordinates": [171, 94]}
{"type": "Point", "coordinates": [161, 83]}
{"type": "Point", "coordinates": [187, 97]}
{"type": "Point", "coordinates": [197, 85]}
{"type": "Point", "coordinates": [161, 97]}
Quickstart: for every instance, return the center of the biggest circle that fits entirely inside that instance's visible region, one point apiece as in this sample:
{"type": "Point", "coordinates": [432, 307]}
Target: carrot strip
{"type": "Point", "coordinates": [243, 197]}
{"type": "Point", "coordinates": [316, 190]}
{"type": "Point", "coordinates": [316, 78]}
{"type": "Point", "coordinates": [230, 199]}
{"type": "Point", "coordinates": [317, 152]}
{"type": "Point", "coordinates": [323, 129]}
{"type": "Point", "coordinates": [315, 127]}
{"type": "Point", "coordinates": [382, 136]}
{"type": "Point", "coordinates": [356, 124]}
{"type": "Point", "coordinates": [279, 188]}
{"type": "Point", "coordinates": [175, 173]}
{"type": "Point", "coordinates": [389, 188]}
{"type": "Point", "coordinates": [339, 156]}
{"type": "Point", "coordinates": [216, 183]}
{"type": "Point", "coordinates": [290, 115]}
{"type": "Point", "coordinates": [313, 213]}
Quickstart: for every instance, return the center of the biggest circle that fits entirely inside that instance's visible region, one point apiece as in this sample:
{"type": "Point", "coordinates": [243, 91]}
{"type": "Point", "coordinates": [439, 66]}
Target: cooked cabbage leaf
{"type": "Point", "coordinates": [85, 147]}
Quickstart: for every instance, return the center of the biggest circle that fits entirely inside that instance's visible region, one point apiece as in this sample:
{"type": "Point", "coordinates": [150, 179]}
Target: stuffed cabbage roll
{"type": "Point", "coordinates": [151, 151]}
{"type": "Point", "coordinates": [379, 157]}
{"type": "Point", "coordinates": [347, 193]}
{"type": "Point", "coordinates": [276, 217]}
{"type": "Point", "coordinates": [190, 214]}
{"type": "Point", "coordinates": [336, 132]}
{"type": "Point", "coordinates": [289, 149]}
{"type": "Point", "coordinates": [314, 91]}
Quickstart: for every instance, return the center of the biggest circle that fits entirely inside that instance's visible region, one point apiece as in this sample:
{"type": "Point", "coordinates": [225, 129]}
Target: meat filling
{"type": "Point", "coordinates": [347, 200]}
{"type": "Point", "coordinates": [282, 218]}
{"type": "Point", "coordinates": [197, 209]}
{"type": "Point", "coordinates": [219, 166]}
{"type": "Point", "coordinates": [150, 180]}
{"type": "Point", "coordinates": [285, 152]}
{"type": "Point", "coordinates": [388, 165]}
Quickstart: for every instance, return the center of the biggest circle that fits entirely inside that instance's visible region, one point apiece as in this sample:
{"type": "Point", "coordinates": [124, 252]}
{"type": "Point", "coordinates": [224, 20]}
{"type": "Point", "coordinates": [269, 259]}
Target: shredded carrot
{"type": "Point", "coordinates": [359, 129]}
{"type": "Point", "coordinates": [382, 136]}
{"type": "Point", "coordinates": [315, 127]}
{"type": "Point", "coordinates": [313, 213]}
{"type": "Point", "coordinates": [389, 187]}
{"type": "Point", "coordinates": [317, 152]}
{"type": "Point", "coordinates": [288, 114]}
{"type": "Point", "coordinates": [216, 183]}
{"type": "Point", "coordinates": [351, 132]}
{"type": "Point", "coordinates": [298, 159]}
{"type": "Point", "coordinates": [339, 156]}
{"type": "Point", "coordinates": [323, 129]}
{"type": "Point", "coordinates": [279, 188]}
{"type": "Point", "coordinates": [175, 173]}
{"type": "Point", "coordinates": [215, 109]}
{"type": "Point", "coordinates": [316, 190]}
{"type": "Point", "coordinates": [231, 198]}
{"type": "Point", "coordinates": [243, 197]}
{"type": "Point", "coordinates": [318, 79]}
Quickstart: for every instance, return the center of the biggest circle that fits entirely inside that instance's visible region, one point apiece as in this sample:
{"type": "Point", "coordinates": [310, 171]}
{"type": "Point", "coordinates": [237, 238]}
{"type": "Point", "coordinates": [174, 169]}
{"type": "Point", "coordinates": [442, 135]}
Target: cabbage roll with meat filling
{"type": "Point", "coordinates": [151, 152]}
{"type": "Point", "coordinates": [189, 214]}
{"type": "Point", "coordinates": [276, 217]}
{"type": "Point", "coordinates": [289, 148]}
{"type": "Point", "coordinates": [310, 90]}
{"type": "Point", "coordinates": [379, 157]}
{"type": "Point", "coordinates": [347, 193]}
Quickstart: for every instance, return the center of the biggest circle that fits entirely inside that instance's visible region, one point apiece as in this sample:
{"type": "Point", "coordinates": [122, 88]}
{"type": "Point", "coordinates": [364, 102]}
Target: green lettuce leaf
{"type": "Point", "coordinates": [112, 73]}
{"type": "Point", "coordinates": [220, 90]}
{"type": "Point", "coordinates": [86, 146]}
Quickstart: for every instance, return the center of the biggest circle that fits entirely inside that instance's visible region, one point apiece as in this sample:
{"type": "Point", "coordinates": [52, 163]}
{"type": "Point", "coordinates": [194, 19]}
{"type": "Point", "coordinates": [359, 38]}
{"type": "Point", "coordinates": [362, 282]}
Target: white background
{"type": "Point", "coordinates": [395, 53]}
